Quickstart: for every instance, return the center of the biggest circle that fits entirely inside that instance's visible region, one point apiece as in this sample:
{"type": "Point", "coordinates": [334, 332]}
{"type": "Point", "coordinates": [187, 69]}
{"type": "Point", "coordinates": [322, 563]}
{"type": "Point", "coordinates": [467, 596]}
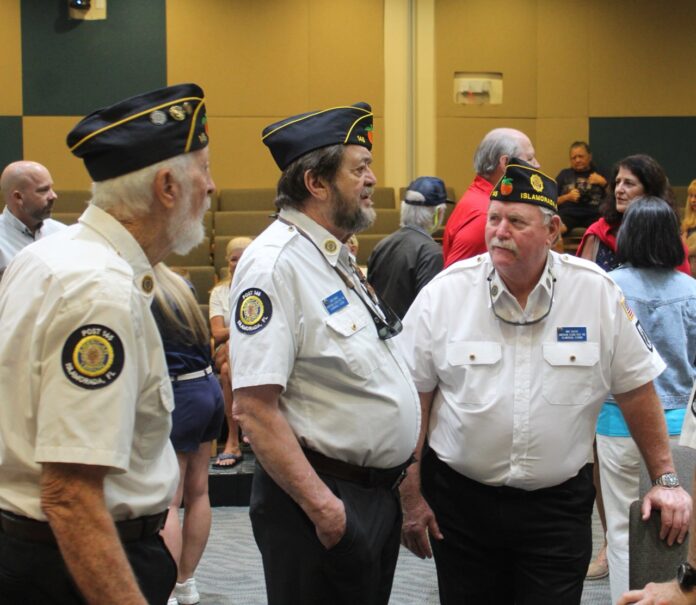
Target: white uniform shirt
{"type": "Point", "coordinates": [517, 405]}
{"type": "Point", "coordinates": [347, 394]}
{"type": "Point", "coordinates": [83, 377]}
{"type": "Point", "coordinates": [15, 235]}
{"type": "Point", "coordinates": [220, 302]}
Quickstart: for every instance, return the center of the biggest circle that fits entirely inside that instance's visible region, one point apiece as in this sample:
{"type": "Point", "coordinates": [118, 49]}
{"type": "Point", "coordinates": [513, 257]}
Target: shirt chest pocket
{"type": "Point", "coordinates": [356, 341]}
{"type": "Point", "coordinates": [475, 369]}
{"type": "Point", "coordinates": [570, 372]}
{"type": "Point", "coordinates": [153, 421]}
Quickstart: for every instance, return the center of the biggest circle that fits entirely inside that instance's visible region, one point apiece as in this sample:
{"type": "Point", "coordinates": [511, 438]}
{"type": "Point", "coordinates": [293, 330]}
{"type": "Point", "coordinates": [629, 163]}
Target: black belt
{"type": "Point", "coordinates": [31, 530]}
{"type": "Point", "coordinates": [362, 475]}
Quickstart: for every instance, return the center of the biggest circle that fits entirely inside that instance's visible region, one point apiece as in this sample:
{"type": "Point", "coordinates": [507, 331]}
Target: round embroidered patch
{"type": "Point", "coordinates": [536, 183]}
{"type": "Point", "coordinates": [254, 311]}
{"type": "Point", "coordinates": [92, 356]}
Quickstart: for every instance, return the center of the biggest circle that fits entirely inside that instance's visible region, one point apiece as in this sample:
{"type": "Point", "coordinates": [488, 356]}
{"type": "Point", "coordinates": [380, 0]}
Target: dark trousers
{"type": "Point", "coordinates": [297, 567]}
{"type": "Point", "coordinates": [32, 572]}
{"type": "Point", "coordinates": [505, 546]}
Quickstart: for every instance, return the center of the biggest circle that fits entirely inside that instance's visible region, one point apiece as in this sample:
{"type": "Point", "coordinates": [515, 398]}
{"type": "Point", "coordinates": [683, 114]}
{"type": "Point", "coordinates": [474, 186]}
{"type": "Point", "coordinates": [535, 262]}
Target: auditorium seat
{"type": "Point", "coordinates": [246, 199]}
{"type": "Point", "coordinates": [242, 222]}
{"type": "Point", "coordinates": [67, 218]}
{"type": "Point", "coordinates": [203, 279]}
{"type": "Point", "coordinates": [198, 257]}
{"type": "Point", "coordinates": [72, 200]}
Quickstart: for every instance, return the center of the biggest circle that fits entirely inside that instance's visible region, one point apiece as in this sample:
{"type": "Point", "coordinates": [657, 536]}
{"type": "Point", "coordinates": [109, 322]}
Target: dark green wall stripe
{"type": "Point", "coordinates": [11, 137]}
{"type": "Point", "coordinates": [670, 140]}
{"type": "Point", "coordinates": [72, 67]}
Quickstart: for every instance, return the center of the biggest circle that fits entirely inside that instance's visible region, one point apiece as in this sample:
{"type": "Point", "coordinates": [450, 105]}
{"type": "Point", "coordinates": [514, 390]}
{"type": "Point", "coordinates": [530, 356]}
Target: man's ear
{"type": "Point", "coordinates": [166, 188]}
{"type": "Point", "coordinates": [554, 229]}
{"type": "Point", "coordinates": [317, 186]}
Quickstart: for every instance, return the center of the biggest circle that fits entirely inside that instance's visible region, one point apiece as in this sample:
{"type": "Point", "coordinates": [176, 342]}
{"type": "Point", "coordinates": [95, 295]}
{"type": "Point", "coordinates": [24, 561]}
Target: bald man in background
{"type": "Point", "coordinates": [27, 190]}
{"type": "Point", "coordinates": [464, 232]}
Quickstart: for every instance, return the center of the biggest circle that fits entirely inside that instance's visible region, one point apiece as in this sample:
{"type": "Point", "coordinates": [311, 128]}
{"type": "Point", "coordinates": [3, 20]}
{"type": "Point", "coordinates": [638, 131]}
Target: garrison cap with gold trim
{"type": "Point", "coordinates": [525, 184]}
{"type": "Point", "coordinates": [141, 131]}
{"type": "Point", "coordinates": [297, 135]}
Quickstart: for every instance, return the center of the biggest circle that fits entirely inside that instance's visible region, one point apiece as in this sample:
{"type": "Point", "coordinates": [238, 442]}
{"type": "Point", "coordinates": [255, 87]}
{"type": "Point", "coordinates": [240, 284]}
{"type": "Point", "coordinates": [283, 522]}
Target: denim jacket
{"type": "Point", "coordinates": [664, 301]}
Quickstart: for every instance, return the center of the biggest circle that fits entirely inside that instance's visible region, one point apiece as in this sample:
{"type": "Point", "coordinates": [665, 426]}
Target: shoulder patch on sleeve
{"type": "Point", "coordinates": [254, 311]}
{"type": "Point", "coordinates": [92, 356]}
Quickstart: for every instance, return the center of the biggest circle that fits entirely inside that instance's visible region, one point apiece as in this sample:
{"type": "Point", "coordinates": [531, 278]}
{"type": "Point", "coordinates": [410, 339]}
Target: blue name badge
{"type": "Point", "coordinates": [335, 302]}
{"type": "Point", "coordinates": [574, 334]}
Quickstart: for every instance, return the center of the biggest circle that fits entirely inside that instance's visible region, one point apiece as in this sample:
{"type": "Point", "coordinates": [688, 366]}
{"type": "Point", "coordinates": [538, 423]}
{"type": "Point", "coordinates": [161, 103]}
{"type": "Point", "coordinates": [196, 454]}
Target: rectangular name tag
{"type": "Point", "coordinates": [335, 302]}
{"type": "Point", "coordinates": [571, 334]}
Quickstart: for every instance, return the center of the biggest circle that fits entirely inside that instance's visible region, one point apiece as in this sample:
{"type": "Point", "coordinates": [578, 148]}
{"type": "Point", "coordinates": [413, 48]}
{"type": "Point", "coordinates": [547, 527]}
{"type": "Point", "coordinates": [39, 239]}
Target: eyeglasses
{"type": "Point", "coordinates": [388, 327]}
{"type": "Point", "coordinates": [529, 322]}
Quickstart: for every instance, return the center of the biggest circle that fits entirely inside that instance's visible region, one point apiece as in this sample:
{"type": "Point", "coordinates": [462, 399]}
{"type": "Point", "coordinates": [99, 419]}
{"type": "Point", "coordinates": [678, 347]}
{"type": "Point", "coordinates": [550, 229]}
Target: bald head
{"type": "Point", "coordinates": [496, 149]}
{"type": "Point", "coordinates": [27, 190]}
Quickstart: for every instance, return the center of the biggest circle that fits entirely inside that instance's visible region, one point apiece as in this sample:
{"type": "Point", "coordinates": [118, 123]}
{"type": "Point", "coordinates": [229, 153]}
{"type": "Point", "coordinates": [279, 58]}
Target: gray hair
{"type": "Point", "coordinates": [419, 216]}
{"type": "Point", "coordinates": [323, 162]}
{"type": "Point", "coordinates": [131, 194]}
{"type": "Point", "coordinates": [497, 143]}
{"type": "Point", "coordinates": [546, 214]}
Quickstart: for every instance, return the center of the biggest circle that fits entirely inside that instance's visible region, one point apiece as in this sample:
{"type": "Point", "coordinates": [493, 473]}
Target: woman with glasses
{"type": "Point", "coordinates": [663, 299]}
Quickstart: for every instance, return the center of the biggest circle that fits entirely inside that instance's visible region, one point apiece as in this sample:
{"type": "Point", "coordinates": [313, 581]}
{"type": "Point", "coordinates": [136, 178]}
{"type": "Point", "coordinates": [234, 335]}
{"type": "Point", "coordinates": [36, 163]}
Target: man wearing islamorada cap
{"type": "Point", "coordinates": [319, 388]}
{"type": "Point", "coordinates": [86, 466]}
{"type": "Point", "coordinates": [512, 353]}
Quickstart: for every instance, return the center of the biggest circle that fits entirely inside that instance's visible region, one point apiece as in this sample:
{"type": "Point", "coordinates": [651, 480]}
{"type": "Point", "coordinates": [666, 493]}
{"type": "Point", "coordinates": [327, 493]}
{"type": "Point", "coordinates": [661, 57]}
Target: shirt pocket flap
{"type": "Point", "coordinates": [473, 353]}
{"type": "Point", "coordinates": [346, 323]}
{"type": "Point", "coordinates": [571, 353]}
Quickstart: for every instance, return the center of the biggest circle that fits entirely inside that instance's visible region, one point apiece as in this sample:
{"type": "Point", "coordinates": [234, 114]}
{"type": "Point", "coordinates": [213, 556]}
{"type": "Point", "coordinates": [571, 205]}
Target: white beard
{"type": "Point", "coordinates": [185, 231]}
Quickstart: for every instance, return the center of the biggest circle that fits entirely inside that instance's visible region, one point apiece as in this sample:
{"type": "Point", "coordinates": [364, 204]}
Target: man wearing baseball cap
{"type": "Point", "coordinates": [404, 262]}
{"type": "Point", "coordinates": [319, 388]}
{"type": "Point", "coordinates": [86, 467]}
{"type": "Point", "coordinates": [512, 353]}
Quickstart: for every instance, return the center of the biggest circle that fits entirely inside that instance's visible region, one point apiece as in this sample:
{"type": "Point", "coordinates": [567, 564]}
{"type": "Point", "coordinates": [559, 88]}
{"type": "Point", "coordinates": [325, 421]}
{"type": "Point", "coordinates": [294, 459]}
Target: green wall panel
{"type": "Point", "coordinates": [670, 140]}
{"type": "Point", "coordinates": [10, 140]}
{"type": "Point", "coordinates": [71, 67]}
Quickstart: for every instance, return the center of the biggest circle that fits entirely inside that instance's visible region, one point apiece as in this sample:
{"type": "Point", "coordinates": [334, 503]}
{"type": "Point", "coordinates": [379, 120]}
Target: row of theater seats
{"type": "Point", "coordinates": [242, 212]}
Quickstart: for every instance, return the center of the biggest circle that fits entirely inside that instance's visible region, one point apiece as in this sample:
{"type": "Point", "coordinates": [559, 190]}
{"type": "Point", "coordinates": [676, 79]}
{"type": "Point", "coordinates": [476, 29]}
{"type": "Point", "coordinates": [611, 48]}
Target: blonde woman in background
{"type": "Point", "coordinates": [232, 454]}
{"type": "Point", "coordinates": [196, 421]}
{"type": "Point", "coordinates": [688, 224]}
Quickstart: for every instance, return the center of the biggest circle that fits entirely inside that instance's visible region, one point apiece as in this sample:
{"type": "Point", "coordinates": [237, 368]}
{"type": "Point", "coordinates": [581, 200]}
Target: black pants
{"type": "Point", "coordinates": [297, 567]}
{"type": "Point", "coordinates": [573, 221]}
{"type": "Point", "coordinates": [504, 545]}
{"type": "Point", "coordinates": [32, 572]}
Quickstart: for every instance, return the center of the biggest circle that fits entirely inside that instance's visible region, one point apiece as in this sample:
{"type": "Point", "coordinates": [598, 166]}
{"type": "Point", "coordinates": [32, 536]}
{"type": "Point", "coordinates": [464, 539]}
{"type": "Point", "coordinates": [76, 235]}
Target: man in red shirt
{"type": "Point", "coordinates": [464, 233]}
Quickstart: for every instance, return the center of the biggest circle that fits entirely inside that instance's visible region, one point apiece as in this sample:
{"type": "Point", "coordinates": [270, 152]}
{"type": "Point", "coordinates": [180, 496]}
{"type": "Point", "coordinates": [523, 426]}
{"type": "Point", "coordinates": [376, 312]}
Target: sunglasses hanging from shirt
{"type": "Point", "coordinates": [529, 322]}
{"type": "Point", "coordinates": [386, 320]}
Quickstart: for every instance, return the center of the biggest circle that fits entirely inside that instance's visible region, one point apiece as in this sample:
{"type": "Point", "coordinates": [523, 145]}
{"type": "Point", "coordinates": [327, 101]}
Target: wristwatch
{"type": "Point", "coordinates": [667, 480]}
{"type": "Point", "coordinates": [686, 576]}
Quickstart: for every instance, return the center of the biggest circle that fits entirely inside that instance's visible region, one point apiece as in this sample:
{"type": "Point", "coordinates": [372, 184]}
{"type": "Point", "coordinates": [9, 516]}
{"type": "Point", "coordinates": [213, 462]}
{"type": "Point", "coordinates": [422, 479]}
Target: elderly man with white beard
{"type": "Point", "coordinates": [86, 466]}
{"type": "Point", "coordinates": [512, 353]}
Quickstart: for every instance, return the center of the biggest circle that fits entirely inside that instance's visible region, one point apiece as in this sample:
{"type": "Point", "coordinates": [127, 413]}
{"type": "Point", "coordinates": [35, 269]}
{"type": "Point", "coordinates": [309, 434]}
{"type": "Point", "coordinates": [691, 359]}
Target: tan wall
{"type": "Point", "coordinates": [10, 59]}
{"type": "Point", "coordinates": [261, 61]}
{"type": "Point", "coordinates": [562, 62]}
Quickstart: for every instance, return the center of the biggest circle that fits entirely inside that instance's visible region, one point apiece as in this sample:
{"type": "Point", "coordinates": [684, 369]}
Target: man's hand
{"type": "Point", "coordinates": [667, 593]}
{"type": "Point", "coordinates": [675, 511]}
{"type": "Point", "coordinates": [419, 521]}
{"type": "Point", "coordinates": [597, 179]}
{"type": "Point", "coordinates": [331, 524]}
{"type": "Point", "coordinates": [572, 196]}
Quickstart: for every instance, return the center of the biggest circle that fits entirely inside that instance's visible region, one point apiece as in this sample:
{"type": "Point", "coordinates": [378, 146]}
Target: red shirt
{"type": "Point", "coordinates": [466, 227]}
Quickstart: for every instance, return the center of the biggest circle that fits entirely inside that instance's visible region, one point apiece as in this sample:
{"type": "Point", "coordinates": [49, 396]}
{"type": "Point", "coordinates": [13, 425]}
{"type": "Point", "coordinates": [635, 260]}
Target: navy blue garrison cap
{"type": "Point", "coordinates": [297, 135]}
{"type": "Point", "coordinates": [427, 191]}
{"type": "Point", "coordinates": [522, 183]}
{"type": "Point", "coordinates": [141, 131]}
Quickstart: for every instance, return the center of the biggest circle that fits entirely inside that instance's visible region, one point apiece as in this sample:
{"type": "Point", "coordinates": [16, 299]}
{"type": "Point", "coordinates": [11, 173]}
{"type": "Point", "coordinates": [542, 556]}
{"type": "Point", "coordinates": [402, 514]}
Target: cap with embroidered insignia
{"type": "Point", "coordinates": [296, 136]}
{"type": "Point", "coordinates": [525, 184]}
{"type": "Point", "coordinates": [141, 131]}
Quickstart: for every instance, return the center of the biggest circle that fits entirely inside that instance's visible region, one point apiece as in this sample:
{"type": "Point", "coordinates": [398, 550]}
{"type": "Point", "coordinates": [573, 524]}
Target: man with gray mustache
{"type": "Point", "coordinates": [512, 353]}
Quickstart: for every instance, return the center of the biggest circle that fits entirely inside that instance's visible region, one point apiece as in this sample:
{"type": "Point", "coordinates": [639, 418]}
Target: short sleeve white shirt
{"type": "Point", "coordinates": [517, 405]}
{"type": "Point", "coordinates": [15, 235]}
{"type": "Point", "coordinates": [83, 377]}
{"type": "Point", "coordinates": [346, 393]}
{"type": "Point", "coordinates": [220, 302]}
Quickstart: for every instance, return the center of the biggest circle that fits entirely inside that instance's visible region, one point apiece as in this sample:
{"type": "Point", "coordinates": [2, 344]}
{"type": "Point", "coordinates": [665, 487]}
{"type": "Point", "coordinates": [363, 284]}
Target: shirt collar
{"type": "Point", "coordinates": [539, 297]}
{"type": "Point", "coordinates": [126, 246]}
{"type": "Point", "coordinates": [15, 223]}
{"type": "Point", "coordinates": [327, 244]}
